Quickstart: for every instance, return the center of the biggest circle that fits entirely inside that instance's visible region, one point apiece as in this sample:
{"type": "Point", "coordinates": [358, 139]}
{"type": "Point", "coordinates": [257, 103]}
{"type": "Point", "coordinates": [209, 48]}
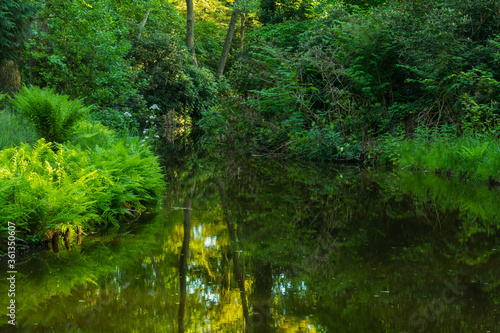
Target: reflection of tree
{"type": "Point", "coordinates": [236, 263]}
{"type": "Point", "coordinates": [262, 297]}
{"type": "Point", "coordinates": [164, 294]}
{"type": "Point", "coordinates": [184, 258]}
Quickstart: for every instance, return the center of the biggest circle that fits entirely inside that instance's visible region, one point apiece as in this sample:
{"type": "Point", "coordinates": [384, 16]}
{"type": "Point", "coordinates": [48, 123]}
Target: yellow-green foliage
{"type": "Point", "coordinates": [77, 184]}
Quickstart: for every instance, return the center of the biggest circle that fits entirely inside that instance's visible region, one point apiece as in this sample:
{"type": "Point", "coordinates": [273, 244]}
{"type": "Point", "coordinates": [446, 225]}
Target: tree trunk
{"type": "Point", "coordinates": [10, 77]}
{"type": "Point", "coordinates": [227, 42]}
{"type": "Point", "coordinates": [143, 23]}
{"type": "Point", "coordinates": [242, 29]}
{"type": "Point", "coordinates": [67, 243]}
{"type": "Point", "coordinates": [190, 30]}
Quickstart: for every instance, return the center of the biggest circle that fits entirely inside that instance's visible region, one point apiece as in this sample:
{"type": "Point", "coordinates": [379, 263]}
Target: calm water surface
{"type": "Point", "coordinates": [273, 247]}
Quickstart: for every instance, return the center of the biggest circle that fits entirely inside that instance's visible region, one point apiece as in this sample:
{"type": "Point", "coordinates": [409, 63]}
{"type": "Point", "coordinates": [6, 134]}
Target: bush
{"type": "Point", "coordinates": [172, 82]}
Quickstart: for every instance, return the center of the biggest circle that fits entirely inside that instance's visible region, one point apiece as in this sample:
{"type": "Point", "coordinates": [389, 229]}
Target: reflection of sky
{"type": "Point", "coordinates": [198, 232]}
{"type": "Point", "coordinates": [202, 290]}
{"type": "Point", "coordinates": [196, 286]}
{"type": "Point", "coordinates": [208, 241]}
{"type": "Point", "coordinates": [283, 287]}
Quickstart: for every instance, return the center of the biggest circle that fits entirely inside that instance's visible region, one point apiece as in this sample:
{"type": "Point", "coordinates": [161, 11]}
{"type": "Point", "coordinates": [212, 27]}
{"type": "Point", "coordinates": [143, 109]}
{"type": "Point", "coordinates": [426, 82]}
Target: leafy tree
{"type": "Point", "coordinates": [272, 11]}
{"type": "Point", "coordinates": [14, 16]}
{"type": "Point", "coordinates": [190, 30]}
{"type": "Point", "coordinates": [227, 42]}
{"type": "Point", "coordinates": [80, 49]}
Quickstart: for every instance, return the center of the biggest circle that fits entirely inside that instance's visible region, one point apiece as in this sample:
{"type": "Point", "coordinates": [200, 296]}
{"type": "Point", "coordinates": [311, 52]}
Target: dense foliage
{"type": "Point", "coordinates": [330, 87]}
{"type": "Point", "coordinates": [121, 57]}
{"type": "Point", "coordinates": [311, 80]}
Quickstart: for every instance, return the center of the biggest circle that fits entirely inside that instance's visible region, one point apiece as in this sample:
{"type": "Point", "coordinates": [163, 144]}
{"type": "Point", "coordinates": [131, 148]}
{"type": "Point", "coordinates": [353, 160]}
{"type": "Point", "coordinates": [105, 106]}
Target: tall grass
{"type": "Point", "coordinates": [15, 129]}
{"type": "Point", "coordinates": [477, 156]}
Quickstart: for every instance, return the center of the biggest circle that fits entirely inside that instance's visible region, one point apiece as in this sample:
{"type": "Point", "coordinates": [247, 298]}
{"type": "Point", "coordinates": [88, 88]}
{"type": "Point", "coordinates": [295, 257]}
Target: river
{"type": "Point", "coordinates": [253, 246]}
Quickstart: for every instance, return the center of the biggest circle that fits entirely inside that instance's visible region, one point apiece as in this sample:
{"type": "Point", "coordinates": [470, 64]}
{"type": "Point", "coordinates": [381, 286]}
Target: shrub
{"type": "Point", "coordinates": [173, 83]}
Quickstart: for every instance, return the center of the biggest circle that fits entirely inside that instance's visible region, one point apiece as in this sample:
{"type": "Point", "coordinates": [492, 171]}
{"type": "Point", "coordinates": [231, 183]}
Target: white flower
{"type": "Point", "coordinates": [151, 117]}
{"type": "Point", "coordinates": [146, 137]}
{"type": "Point", "coordinates": [144, 132]}
{"type": "Point", "coordinates": [147, 121]}
{"type": "Point", "coordinates": [143, 140]}
{"type": "Point", "coordinates": [127, 114]}
{"type": "Point", "coordinates": [154, 107]}
{"type": "Point", "coordinates": [157, 136]}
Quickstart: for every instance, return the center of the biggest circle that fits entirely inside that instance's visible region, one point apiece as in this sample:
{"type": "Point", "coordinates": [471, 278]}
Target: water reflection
{"type": "Point", "coordinates": [281, 248]}
{"type": "Point", "coordinates": [184, 257]}
{"type": "Point", "coordinates": [248, 326]}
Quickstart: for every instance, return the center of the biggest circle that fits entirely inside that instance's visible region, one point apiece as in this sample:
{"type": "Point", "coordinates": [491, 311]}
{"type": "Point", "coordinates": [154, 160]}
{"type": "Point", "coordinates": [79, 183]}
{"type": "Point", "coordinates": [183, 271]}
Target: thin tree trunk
{"type": "Point", "coordinates": [242, 29]}
{"type": "Point", "coordinates": [143, 23]}
{"type": "Point", "coordinates": [227, 42]}
{"type": "Point", "coordinates": [190, 30]}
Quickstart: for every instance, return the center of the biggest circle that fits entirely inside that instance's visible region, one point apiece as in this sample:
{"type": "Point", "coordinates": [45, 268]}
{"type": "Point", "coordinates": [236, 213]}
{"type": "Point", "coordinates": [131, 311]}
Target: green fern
{"type": "Point", "coordinates": [473, 153]}
{"type": "Point", "coordinates": [42, 189]}
{"type": "Point", "coordinates": [54, 116]}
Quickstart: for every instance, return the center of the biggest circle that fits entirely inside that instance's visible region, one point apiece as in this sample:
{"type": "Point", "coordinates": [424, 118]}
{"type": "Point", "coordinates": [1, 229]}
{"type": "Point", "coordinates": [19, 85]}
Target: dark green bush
{"type": "Point", "coordinates": [172, 82]}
